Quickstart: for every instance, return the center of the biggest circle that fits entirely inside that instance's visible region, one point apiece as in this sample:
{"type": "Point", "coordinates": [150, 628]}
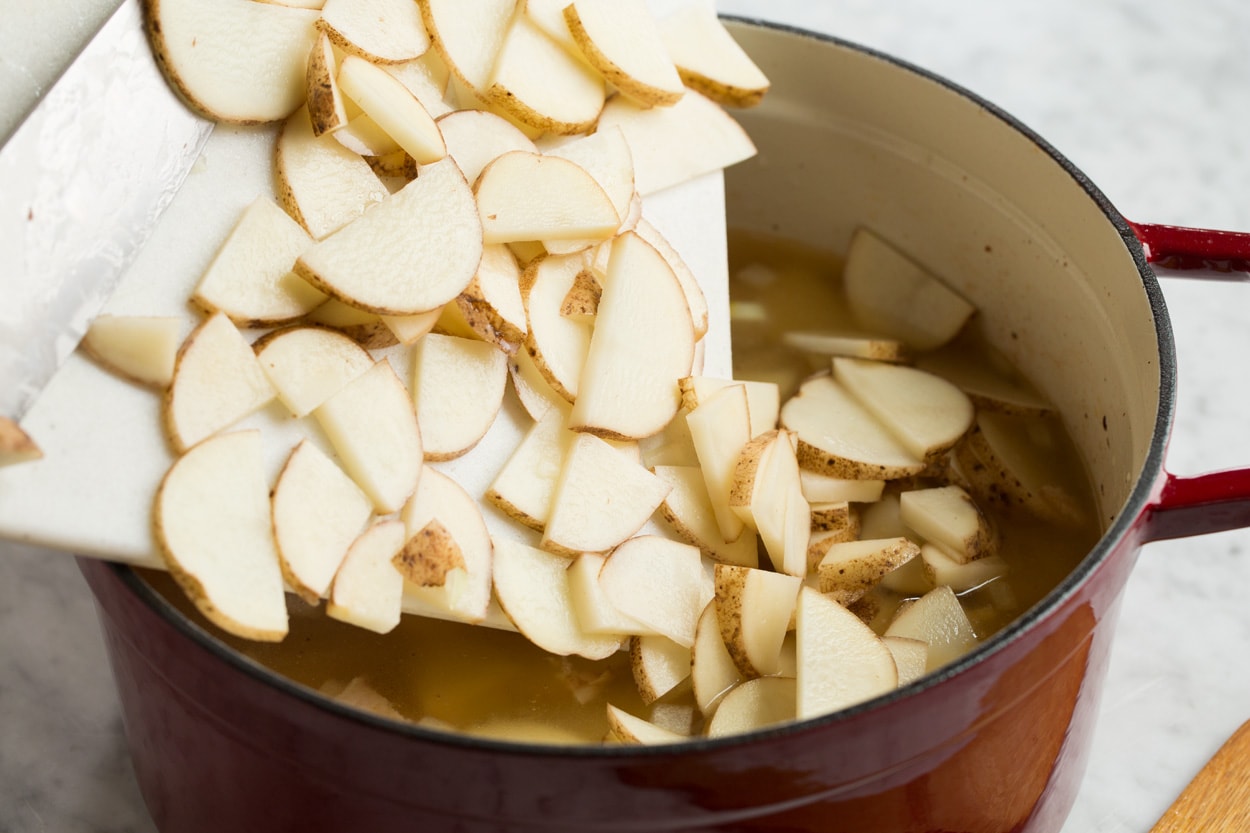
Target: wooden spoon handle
{"type": "Point", "coordinates": [1218, 799]}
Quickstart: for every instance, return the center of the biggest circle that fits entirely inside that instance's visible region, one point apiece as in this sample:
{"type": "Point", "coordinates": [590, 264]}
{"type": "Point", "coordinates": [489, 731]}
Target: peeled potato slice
{"type": "Point", "coordinates": [910, 656]}
{"type": "Point", "coordinates": [368, 590]}
{"type": "Point", "coordinates": [384, 31]}
{"type": "Point", "coordinates": [140, 348]}
{"type": "Point", "coordinates": [233, 60]}
{"type": "Point", "coordinates": [217, 381]}
{"type": "Point", "coordinates": [620, 39]}
{"type": "Point", "coordinates": [429, 228]}
{"type": "Point", "coordinates": [249, 279]}
{"type": "Point", "coordinates": [937, 619]}
{"type": "Point", "coordinates": [458, 386]}
{"type": "Point", "coordinates": [212, 522]}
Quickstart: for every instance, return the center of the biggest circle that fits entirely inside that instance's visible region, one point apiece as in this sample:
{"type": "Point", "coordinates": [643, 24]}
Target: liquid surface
{"type": "Point", "coordinates": [493, 683]}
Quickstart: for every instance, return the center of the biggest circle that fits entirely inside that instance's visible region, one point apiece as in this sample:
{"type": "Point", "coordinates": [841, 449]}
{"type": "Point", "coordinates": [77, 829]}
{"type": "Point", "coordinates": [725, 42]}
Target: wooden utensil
{"type": "Point", "coordinates": [1218, 799]}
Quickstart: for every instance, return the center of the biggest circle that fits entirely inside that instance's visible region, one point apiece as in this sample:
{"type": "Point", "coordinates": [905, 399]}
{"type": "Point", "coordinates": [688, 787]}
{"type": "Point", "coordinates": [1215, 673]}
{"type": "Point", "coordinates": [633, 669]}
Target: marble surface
{"type": "Point", "coordinates": [1148, 97]}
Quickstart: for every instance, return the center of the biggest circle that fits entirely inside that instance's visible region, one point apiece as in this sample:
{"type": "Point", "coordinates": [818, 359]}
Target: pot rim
{"type": "Point", "coordinates": [1134, 506]}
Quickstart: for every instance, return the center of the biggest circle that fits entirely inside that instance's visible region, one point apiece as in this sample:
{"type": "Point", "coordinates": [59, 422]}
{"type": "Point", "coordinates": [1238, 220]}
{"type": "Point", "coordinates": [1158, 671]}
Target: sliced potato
{"type": "Point", "coordinates": [529, 196]}
{"type": "Point", "coordinates": [233, 60]}
{"type": "Point", "coordinates": [458, 386]}
{"type": "Point", "coordinates": [911, 657]}
{"type": "Point", "coordinates": [841, 662]}
{"type": "Point", "coordinates": [628, 386]}
{"type": "Point", "coordinates": [659, 665]}
{"type": "Point", "coordinates": [536, 394]}
{"type": "Point", "coordinates": [326, 107]}
{"type": "Point", "coordinates": [526, 485]}
{"type": "Point", "coordinates": [830, 343]}
{"type": "Point", "coordinates": [943, 568]}
{"type": "Point", "coordinates": [989, 386]}
{"type": "Point", "coordinates": [318, 511]}
{"type": "Point", "coordinates": [713, 671]}
{"type": "Point", "coordinates": [409, 329]}
{"type": "Point", "coordinates": [850, 569]}
{"type": "Point", "coordinates": [384, 31]}
{"type": "Point", "coordinates": [601, 499]}
{"type": "Point", "coordinates": [660, 583]}
{"type": "Point", "coordinates": [468, 35]}
{"type": "Point", "coordinates": [827, 516]}
{"type": "Point", "coordinates": [620, 39]}
{"type": "Point", "coordinates": [818, 488]}
{"type": "Point", "coordinates": [368, 591]}
{"type": "Point", "coordinates": [595, 612]}
{"type": "Point", "coordinates": [139, 348]}
{"type": "Point", "coordinates": [754, 704]}
{"type": "Point", "coordinates": [938, 620]}
{"type": "Point", "coordinates": [626, 728]}
{"type": "Point", "coordinates": [754, 609]}
{"type": "Point", "coordinates": [217, 381]}
{"type": "Point", "coordinates": [719, 429]}
{"type": "Point", "coordinates": [365, 328]}
{"type": "Point", "coordinates": [308, 365]}
{"type": "Point", "coordinates": [690, 512]}
{"type": "Point", "coordinates": [372, 424]}
{"type": "Point", "coordinates": [322, 184]}
{"type": "Point", "coordinates": [533, 588]}
{"type": "Point", "coordinates": [947, 516]}
{"type": "Point", "coordinates": [696, 300]}
{"type": "Point", "coordinates": [429, 228]}
{"type": "Point", "coordinates": [763, 398]}
{"type": "Point", "coordinates": [542, 85]}
{"type": "Point", "coordinates": [213, 526]}
{"type": "Point", "coordinates": [427, 78]}
{"type": "Point", "coordinates": [249, 279]}
{"type": "Point", "coordinates": [475, 138]}
{"type": "Point", "coordinates": [558, 344]}
{"type": "Point", "coordinates": [393, 107]}
{"type": "Point", "coordinates": [891, 294]}
{"type": "Point", "coordinates": [491, 304]}
{"type": "Point", "coordinates": [429, 555]}
{"type": "Point", "coordinates": [709, 60]}
{"type": "Point", "coordinates": [840, 438]}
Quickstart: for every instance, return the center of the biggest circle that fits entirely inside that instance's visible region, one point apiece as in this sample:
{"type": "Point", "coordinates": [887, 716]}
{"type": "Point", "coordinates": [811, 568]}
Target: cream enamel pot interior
{"type": "Point", "coordinates": [994, 743]}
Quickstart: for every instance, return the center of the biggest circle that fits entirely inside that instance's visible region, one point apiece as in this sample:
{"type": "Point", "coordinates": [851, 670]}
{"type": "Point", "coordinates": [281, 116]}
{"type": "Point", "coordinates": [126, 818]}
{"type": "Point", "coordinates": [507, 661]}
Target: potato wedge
{"type": "Point", "coordinates": [142, 349]}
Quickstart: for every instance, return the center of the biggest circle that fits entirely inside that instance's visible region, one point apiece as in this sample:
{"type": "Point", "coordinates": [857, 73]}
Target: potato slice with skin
{"type": "Point", "coordinates": [16, 446]}
{"type": "Point", "coordinates": [429, 227]}
{"type": "Point", "coordinates": [820, 541]}
{"type": "Point", "coordinates": [605, 156]}
{"type": "Point", "coordinates": [850, 569]}
{"type": "Point", "coordinates": [838, 437]}
{"type": "Point", "coordinates": [533, 588]}
{"type": "Point", "coordinates": [827, 343]}
{"type": "Point", "coordinates": [383, 31]}
{"type": "Point", "coordinates": [491, 304]}
{"type": "Point", "coordinates": [911, 656]}
{"type": "Point", "coordinates": [427, 78]}
{"type": "Point", "coordinates": [695, 299]}
{"type": "Point", "coordinates": [926, 413]}
{"type": "Point", "coordinates": [212, 523]}
{"type": "Point", "coordinates": [672, 145]}
{"type": "Point", "coordinates": [372, 425]}
{"type": "Point", "coordinates": [529, 196]}
{"type": "Point", "coordinates": [628, 386]}
{"type": "Point", "coordinates": [709, 60]}
{"type": "Point", "coordinates": [767, 492]}
{"type": "Point", "coordinates": [626, 728]}
{"type": "Point", "coordinates": [557, 344]}
{"type": "Point", "coordinates": [365, 328]}
{"type": "Point", "coordinates": [217, 381]}
{"type": "Point", "coordinates": [468, 34]}
{"type": "Point", "coordinates": [428, 556]}
{"type": "Point", "coordinates": [989, 387]}
{"type": "Point", "coordinates": [393, 107]}
{"type": "Point", "coordinates": [326, 108]}
{"type": "Point", "coordinates": [893, 295]}
{"type": "Point", "coordinates": [937, 619]}
{"type": "Point", "coordinates": [548, 15]}
{"type": "Point", "coordinates": [763, 399]}
{"type": "Point", "coordinates": [671, 447]}
{"type": "Point", "coordinates": [818, 488]}
{"type": "Point", "coordinates": [944, 569]}
{"type": "Point", "coordinates": [536, 394]}
{"type": "Point", "coordinates": [688, 509]}
{"type": "Point", "coordinates": [308, 365]}
{"type": "Point", "coordinates": [841, 662]}
{"type": "Point", "coordinates": [542, 85]}
{"type": "Point", "coordinates": [368, 590]}
{"type": "Point", "coordinates": [658, 582]}
{"type": "Point", "coordinates": [465, 594]}
{"type": "Point", "coordinates": [526, 485]}
{"type": "Point", "coordinates": [754, 609]}
{"type": "Point", "coordinates": [475, 138]}
{"type": "Point", "coordinates": [659, 665]}
{"type": "Point", "coordinates": [946, 515]}
{"type": "Point", "coordinates": [409, 329]}
{"type": "Point", "coordinates": [365, 137]}
{"type": "Point", "coordinates": [754, 704]}
{"type": "Point", "coordinates": [620, 39]}
{"type": "Point", "coordinates": [601, 498]}
{"type": "Point", "coordinates": [713, 671]}
{"type": "Point", "coordinates": [318, 511]}
{"type": "Point", "coordinates": [320, 183]}
{"type": "Point", "coordinates": [458, 386]}
{"type": "Point", "coordinates": [827, 516]}
{"type": "Point", "coordinates": [249, 279]}
{"type": "Point", "coordinates": [233, 60]}
{"type": "Point", "coordinates": [136, 347]}
{"type": "Point", "coordinates": [719, 428]}
{"type": "Point", "coordinates": [595, 612]}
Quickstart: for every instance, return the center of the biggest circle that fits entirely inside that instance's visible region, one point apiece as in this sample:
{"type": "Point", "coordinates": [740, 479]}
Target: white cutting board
{"type": "Point", "coordinates": [104, 448]}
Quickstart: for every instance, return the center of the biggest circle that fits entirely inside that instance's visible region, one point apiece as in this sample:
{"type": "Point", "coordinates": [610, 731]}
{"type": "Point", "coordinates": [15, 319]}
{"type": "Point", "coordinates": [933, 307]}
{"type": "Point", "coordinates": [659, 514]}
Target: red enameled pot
{"type": "Point", "coordinates": [993, 743]}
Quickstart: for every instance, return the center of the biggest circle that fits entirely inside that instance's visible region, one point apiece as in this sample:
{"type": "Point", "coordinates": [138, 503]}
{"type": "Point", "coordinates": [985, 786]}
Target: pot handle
{"type": "Point", "coordinates": [1219, 501]}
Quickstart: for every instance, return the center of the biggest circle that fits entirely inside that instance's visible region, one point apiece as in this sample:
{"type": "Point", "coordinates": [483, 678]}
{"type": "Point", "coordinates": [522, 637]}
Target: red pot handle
{"type": "Point", "coordinates": [1219, 501]}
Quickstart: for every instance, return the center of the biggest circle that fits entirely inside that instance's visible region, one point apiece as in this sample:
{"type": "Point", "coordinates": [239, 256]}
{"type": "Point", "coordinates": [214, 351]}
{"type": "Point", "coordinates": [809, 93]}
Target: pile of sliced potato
{"type": "Point", "coordinates": [437, 199]}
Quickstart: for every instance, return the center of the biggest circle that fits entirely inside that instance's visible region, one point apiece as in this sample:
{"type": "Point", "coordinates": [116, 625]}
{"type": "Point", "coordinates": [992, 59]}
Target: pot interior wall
{"type": "Point", "coordinates": [848, 138]}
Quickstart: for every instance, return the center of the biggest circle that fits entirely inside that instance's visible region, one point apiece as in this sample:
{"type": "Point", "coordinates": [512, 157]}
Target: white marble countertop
{"type": "Point", "coordinates": [1148, 97]}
